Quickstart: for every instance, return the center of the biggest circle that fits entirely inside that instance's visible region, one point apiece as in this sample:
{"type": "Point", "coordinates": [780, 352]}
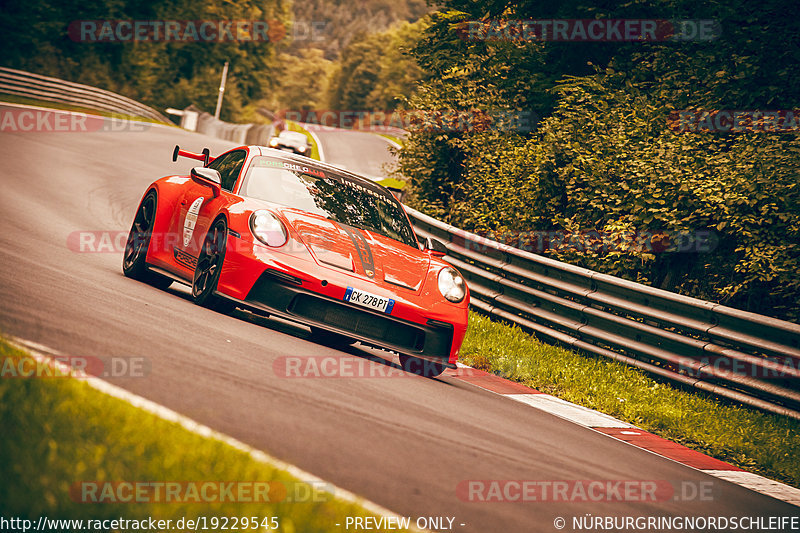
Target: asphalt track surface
{"type": "Point", "coordinates": [358, 151]}
{"type": "Point", "coordinates": [402, 442]}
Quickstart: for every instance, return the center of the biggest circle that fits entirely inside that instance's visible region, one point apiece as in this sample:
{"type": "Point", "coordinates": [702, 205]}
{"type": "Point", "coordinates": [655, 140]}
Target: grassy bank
{"type": "Point", "coordinates": [755, 441]}
{"type": "Point", "coordinates": [59, 433]}
{"type": "Point", "coordinates": [394, 138]}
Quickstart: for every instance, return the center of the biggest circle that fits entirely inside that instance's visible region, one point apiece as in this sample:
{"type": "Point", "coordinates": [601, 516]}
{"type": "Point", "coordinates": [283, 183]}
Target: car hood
{"type": "Point", "coordinates": [366, 254]}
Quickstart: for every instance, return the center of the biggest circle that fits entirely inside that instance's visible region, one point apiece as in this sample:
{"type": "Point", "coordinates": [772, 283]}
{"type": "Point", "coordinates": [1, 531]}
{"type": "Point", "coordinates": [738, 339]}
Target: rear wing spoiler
{"type": "Point", "coordinates": [204, 156]}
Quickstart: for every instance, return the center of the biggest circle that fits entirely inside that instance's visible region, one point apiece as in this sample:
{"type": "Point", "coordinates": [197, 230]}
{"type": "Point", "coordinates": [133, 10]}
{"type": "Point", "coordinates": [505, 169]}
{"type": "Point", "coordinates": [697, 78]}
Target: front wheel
{"type": "Point", "coordinates": [421, 367]}
{"type": "Point", "coordinates": [209, 268]}
{"type": "Point", "coordinates": [133, 259]}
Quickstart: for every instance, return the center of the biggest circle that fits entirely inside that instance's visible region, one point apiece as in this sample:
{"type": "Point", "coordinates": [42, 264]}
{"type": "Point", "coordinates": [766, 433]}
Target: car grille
{"type": "Point", "coordinates": [358, 322]}
{"type": "Point", "coordinates": [284, 294]}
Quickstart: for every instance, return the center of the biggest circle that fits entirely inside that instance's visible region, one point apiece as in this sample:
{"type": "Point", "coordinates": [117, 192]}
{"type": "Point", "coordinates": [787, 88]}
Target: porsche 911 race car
{"type": "Point", "coordinates": [293, 141]}
{"type": "Point", "coordinates": [285, 235]}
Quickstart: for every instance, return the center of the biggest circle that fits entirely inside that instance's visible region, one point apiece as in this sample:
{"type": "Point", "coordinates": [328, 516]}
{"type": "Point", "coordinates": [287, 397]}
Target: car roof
{"type": "Point", "coordinates": [292, 134]}
{"type": "Point", "coordinates": [303, 160]}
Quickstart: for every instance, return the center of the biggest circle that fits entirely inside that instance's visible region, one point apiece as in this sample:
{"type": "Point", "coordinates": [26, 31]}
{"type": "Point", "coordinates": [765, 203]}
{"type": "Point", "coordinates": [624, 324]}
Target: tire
{"type": "Point", "coordinates": [421, 367]}
{"type": "Point", "coordinates": [134, 257]}
{"type": "Point", "coordinates": [209, 267]}
{"type": "Point", "coordinates": [329, 338]}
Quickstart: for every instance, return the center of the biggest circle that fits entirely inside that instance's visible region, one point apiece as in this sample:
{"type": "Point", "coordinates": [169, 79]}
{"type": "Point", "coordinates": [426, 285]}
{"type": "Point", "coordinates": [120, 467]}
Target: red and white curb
{"type": "Point", "coordinates": [623, 431]}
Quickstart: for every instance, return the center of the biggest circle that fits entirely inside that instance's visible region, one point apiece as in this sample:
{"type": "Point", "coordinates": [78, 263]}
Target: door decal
{"type": "Point", "coordinates": [190, 221]}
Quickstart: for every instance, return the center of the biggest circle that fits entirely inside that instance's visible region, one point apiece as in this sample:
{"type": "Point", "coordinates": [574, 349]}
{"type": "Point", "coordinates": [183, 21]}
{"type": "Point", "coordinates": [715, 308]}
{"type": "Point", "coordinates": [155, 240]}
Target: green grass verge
{"type": "Point", "coordinates": [392, 183]}
{"type": "Point", "coordinates": [23, 100]}
{"type": "Point", "coordinates": [59, 432]}
{"type": "Point", "coordinates": [755, 441]}
{"type": "Point", "coordinates": [393, 138]}
{"type": "Point", "coordinates": [294, 126]}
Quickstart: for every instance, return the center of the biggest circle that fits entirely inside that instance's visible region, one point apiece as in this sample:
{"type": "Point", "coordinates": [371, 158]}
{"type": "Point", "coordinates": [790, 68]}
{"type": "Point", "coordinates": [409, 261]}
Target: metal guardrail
{"type": "Point", "coordinates": [243, 134]}
{"type": "Point", "coordinates": [733, 354]}
{"type": "Point", "coordinates": [21, 83]}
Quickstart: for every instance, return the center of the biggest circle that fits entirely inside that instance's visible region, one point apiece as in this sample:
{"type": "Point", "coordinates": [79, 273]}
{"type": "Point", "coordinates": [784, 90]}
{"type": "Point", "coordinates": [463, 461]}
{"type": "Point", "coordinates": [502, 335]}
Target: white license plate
{"type": "Point", "coordinates": [365, 299]}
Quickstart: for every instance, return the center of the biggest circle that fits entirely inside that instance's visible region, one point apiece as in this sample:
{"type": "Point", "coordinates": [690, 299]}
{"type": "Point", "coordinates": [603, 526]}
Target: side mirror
{"type": "Point", "coordinates": [436, 247]}
{"type": "Point", "coordinates": [208, 177]}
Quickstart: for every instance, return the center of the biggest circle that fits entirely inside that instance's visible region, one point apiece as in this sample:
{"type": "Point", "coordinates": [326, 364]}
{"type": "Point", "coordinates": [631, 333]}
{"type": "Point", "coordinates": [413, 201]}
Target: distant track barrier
{"type": "Point", "coordinates": [733, 354]}
{"type": "Point", "coordinates": [36, 86]}
{"type": "Point", "coordinates": [239, 133]}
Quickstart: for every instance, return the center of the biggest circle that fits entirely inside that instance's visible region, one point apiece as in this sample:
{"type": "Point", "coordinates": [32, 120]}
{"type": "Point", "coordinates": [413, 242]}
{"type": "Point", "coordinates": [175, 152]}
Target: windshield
{"type": "Point", "coordinates": [292, 136]}
{"type": "Point", "coordinates": [333, 196]}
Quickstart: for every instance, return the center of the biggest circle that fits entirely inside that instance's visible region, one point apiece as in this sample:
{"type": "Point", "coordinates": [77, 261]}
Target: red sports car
{"type": "Point", "coordinates": [288, 236]}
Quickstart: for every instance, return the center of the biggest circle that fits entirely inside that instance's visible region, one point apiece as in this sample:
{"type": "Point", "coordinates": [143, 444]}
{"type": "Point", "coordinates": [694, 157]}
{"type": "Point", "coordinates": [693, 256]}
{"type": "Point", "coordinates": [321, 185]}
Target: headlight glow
{"type": "Point", "coordinates": [452, 285]}
{"type": "Point", "coordinates": [267, 228]}
{"type": "Point", "coordinates": [273, 142]}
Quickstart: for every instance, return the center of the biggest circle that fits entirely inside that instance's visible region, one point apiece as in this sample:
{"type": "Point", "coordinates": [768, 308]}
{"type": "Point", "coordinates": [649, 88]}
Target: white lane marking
{"type": "Point", "coordinates": [316, 140]}
{"type": "Point", "coordinates": [36, 346]}
{"type": "Point", "coordinates": [195, 427]}
{"type": "Point", "coordinates": [760, 484]}
{"type": "Point", "coordinates": [574, 413]}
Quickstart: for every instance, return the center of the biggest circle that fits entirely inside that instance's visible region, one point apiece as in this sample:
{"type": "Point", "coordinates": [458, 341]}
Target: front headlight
{"type": "Point", "coordinates": [452, 285]}
{"type": "Point", "coordinates": [302, 148]}
{"type": "Point", "coordinates": [267, 228]}
{"type": "Point", "coordinates": [273, 142]}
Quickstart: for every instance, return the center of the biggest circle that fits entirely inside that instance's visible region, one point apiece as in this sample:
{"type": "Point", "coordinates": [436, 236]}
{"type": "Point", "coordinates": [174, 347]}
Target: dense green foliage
{"type": "Point", "coordinates": [374, 70]}
{"type": "Point", "coordinates": [302, 81]}
{"type": "Point", "coordinates": [290, 73]}
{"type": "Point", "coordinates": [603, 157]}
{"type": "Point", "coordinates": [35, 37]}
{"type": "Point", "coordinates": [340, 22]}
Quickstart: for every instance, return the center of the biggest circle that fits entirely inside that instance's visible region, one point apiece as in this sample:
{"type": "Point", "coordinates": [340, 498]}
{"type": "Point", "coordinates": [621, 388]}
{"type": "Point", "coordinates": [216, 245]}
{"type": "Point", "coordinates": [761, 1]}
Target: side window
{"type": "Point", "coordinates": [228, 167]}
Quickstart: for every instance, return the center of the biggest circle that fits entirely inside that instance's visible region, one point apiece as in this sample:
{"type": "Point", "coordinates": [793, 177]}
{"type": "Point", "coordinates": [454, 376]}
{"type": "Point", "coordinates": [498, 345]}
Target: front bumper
{"type": "Point", "coordinates": [287, 289]}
